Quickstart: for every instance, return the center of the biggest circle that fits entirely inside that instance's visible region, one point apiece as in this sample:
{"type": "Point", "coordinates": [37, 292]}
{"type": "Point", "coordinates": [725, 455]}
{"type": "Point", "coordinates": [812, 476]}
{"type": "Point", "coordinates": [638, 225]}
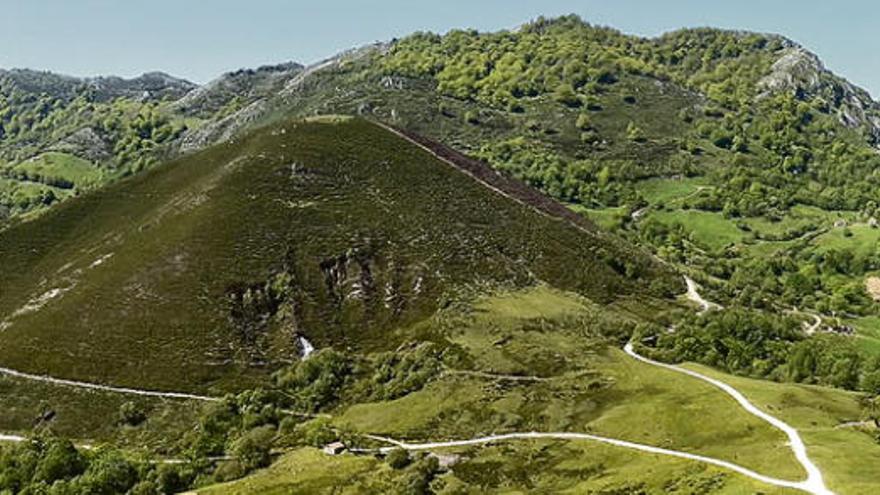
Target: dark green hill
{"type": "Point", "coordinates": [204, 272]}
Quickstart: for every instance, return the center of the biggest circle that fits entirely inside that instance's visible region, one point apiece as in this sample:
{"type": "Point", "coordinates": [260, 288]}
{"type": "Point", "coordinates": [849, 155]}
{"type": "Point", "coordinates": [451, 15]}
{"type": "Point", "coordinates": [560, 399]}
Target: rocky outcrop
{"type": "Point", "coordinates": [281, 85]}
{"type": "Point", "coordinates": [244, 85]}
{"type": "Point", "coordinates": [223, 129]}
{"type": "Point", "coordinates": [796, 70]}
{"type": "Point", "coordinates": [148, 86]}
{"type": "Point", "coordinates": [349, 276]}
{"type": "Point", "coordinates": [85, 143]}
{"type": "Point", "coordinates": [802, 73]}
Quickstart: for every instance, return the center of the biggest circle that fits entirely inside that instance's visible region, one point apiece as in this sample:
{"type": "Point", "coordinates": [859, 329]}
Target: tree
{"type": "Point", "coordinates": [871, 405]}
{"type": "Point", "coordinates": [398, 458]}
{"type": "Point", "coordinates": [417, 478]}
{"type": "Point", "coordinates": [253, 449]}
{"type": "Point", "coordinates": [318, 381]}
{"type": "Point", "coordinates": [60, 461]}
{"type": "Point", "coordinates": [108, 473]}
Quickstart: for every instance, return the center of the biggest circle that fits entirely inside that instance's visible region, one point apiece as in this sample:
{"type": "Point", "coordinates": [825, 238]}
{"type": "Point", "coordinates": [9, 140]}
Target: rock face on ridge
{"type": "Point", "coordinates": [802, 72]}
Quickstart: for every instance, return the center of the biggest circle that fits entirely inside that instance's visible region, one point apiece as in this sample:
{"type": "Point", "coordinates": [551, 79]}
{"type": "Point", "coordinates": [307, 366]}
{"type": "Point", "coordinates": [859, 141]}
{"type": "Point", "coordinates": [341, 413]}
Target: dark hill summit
{"type": "Point", "coordinates": [206, 271]}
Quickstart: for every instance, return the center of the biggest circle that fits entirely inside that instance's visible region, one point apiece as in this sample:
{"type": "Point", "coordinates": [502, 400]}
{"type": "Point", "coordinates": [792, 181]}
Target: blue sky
{"type": "Point", "coordinates": [201, 39]}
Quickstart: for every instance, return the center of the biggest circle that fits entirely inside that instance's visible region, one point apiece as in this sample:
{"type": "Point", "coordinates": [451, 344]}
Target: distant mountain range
{"type": "Point", "coordinates": [122, 126]}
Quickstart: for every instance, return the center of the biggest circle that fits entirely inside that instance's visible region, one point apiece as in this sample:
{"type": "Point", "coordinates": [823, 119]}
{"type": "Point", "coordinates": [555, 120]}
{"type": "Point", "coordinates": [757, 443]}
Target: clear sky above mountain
{"type": "Point", "coordinates": [200, 40]}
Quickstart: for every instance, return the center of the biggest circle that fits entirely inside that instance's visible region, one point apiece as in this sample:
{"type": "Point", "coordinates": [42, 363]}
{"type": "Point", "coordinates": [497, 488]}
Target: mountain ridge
{"type": "Point", "coordinates": [157, 117]}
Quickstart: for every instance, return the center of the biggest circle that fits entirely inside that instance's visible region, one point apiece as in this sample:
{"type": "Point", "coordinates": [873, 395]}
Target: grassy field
{"type": "Point", "coordinates": [859, 238]}
{"type": "Point", "coordinates": [847, 457]}
{"type": "Point", "coordinates": [596, 389]}
{"type": "Point", "coordinates": [868, 333]}
{"type": "Point", "coordinates": [22, 192]}
{"type": "Point", "coordinates": [607, 218]}
{"type": "Point", "coordinates": [708, 229]}
{"type": "Point", "coordinates": [53, 166]}
{"type": "Point", "coordinates": [310, 471]}
{"type": "Point", "coordinates": [28, 188]}
{"type": "Point", "coordinates": [514, 468]}
{"type": "Point", "coordinates": [592, 390]}
{"type": "Point", "coordinates": [92, 417]}
{"type": "Point", "coordinates": [668, 191]}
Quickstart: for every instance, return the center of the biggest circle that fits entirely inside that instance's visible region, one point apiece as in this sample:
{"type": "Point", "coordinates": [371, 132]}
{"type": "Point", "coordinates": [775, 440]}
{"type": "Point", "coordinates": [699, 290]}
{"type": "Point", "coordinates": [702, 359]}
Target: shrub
{"type": "Point", "coordinates": [317, 382]}
{"type": "Point", "coordinates": [584, 122]}
{"type": "Point", "coordinates": [60, 460]}
{"type": "Point", "coordinates": [131, 414]}
{"type": "Point", "coordinates": [565, 94]}
{"type": "Point", "coordinates": [634, 132]}
{"type": "Point", "coordinates": [417, 478]}
{"type": "Point", "coordinates": [317, 432]}
{"type": "Point", "coordinates": [398, 458]}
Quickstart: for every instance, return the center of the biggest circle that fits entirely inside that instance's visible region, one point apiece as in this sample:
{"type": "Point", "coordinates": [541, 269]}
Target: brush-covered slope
{"type": "Point", "coordinates": [205, 271]}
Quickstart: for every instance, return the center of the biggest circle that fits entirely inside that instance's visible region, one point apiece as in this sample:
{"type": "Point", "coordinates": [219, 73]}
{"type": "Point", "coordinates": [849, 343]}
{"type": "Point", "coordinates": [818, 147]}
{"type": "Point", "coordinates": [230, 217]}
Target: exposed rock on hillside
{"type": "Point", "coordinates": [803, 73]}
{"type": "Point", "coordinates": [85, 143]}
{"type": "Point", "coordinates": [241, 85]}
{"type": "Point", "coordinates": [149, 86]}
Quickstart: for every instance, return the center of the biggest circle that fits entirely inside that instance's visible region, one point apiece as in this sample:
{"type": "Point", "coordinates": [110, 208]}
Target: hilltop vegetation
{"type": "Point", "coordinates": [716, 148]}
{"type": "Point", "coordinates": [106, 128]}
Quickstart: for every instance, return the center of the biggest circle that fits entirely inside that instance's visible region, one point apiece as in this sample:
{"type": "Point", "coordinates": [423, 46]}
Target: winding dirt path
{"type": "Point", "coordinates": [817, 322]}
{"type": "Point", "coordinates": [814, 482]}
{"type": "Point", "coordinates": [534, 435]}
{"type": "Point", "coordinates": [307, 350]}
{"type": "Point", "coordinates": [105, 388]}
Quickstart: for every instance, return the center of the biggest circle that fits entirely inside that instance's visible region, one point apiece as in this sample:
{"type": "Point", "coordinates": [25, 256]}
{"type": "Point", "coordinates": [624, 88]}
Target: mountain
{"type": "Point", "coordinates": [687, 94]}
{"type": "Point", "coordinates": [238, 87]}
{"type": "Point", "coordinates": [460, 257]}
{"type": "Point", "coordinates": [801, 73]}
{"type": "Point", "coordinates": [148, 86]}
{"type": "Point", "coordinates": [213, 266]}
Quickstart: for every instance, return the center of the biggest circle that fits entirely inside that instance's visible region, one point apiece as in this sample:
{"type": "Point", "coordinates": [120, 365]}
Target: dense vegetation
{"type": "Point", "coordinates": [241, 430]}
{"type": "Point", "coordinates": [235, 241]}
{"type": "Point", "coordinates": [764, 345]}
{"type": "Point", "coordinates": [781, 148]}
{"type": "Point", "coordinates": [50, 465]}
{"type": "Point", "coordinates": [111, 127]}
{"type": "Point", "coordinates": [109, 124]}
